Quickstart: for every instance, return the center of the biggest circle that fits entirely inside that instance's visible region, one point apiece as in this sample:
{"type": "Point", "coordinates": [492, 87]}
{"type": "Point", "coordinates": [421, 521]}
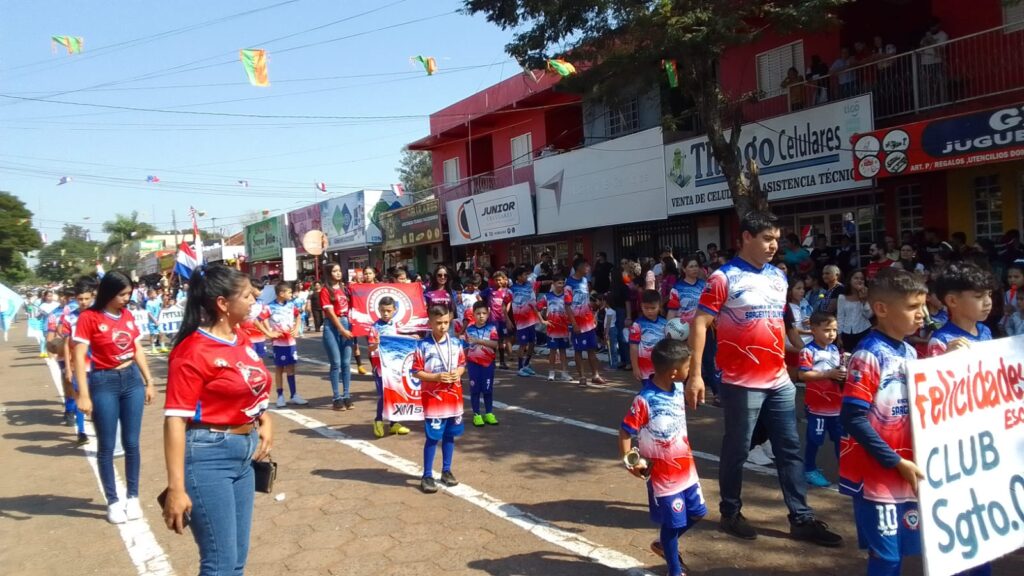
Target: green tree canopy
{"type": "Point", "coordinates": [16, 237]}
{"type": "Point", "coordinates": [71, 256]}
{"type": "Point", "coordinates": [416, 172]}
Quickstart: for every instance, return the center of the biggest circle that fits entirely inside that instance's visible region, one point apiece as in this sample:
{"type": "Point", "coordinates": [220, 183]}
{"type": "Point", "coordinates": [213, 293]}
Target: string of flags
{"type": "Point", "coordinates": [398, 189]}
{"type": "Point", "coordinates": [255, 64]}
{"type": "Point", "coordinates": [320, 186]}
{"type": "Point", "coordinates": [73, 44]}
{"type": "Point", "coordinates": [243, 183]}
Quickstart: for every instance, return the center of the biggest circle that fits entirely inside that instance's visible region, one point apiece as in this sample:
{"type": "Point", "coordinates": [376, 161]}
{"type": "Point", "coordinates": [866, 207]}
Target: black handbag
{"type": "Point", "coordinates": [266, 473]}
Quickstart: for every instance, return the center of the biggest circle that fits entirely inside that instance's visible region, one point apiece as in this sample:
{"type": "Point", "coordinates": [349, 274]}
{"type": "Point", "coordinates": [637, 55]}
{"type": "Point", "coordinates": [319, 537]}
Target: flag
{"type": "Point", "coordinates": [255, 63]}
{"type": "Point", "coordinates": [672, 71]}
{"type": "Point", "coordinates": [410, 308]}
{"type": "Point", "coordinates": [42, 236]}
{"type": "Point", "coordinates": [401, 391]}
{"type": "Point", "coordinates": [562, 67]}
{"type": "Point", "coordinates": [197, 238]}
{"type": "Point", "coordinates": [152, 179]}
{"type": "Point", "coordinates": [73, 44]}
{"type": "Point", "coordinates": [243, 183]}
{"type": "Point", "coordinates": [321, 186]}
{"type": "Point", "coordinates": [64, 180]}
{"type": "Point", "coordinates": [398, 189]}
{"type": "Point", "coordinates": [428, 62]}
{"type": "Point", "coordinates": [186, 261]}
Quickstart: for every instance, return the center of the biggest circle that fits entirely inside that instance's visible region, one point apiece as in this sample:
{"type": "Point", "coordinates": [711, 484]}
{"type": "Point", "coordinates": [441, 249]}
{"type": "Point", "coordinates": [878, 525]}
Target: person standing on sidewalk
{"type": "Point", "coordinates": [338, 338]}
{"type": "Point", "coordinates": [215, 421]}
{"type": "Point", "coordinates": [315, 308]}
{"type": "Point", "coordinates": [119, 385]}
{"type": "Point", "coordinates": [746, 298]}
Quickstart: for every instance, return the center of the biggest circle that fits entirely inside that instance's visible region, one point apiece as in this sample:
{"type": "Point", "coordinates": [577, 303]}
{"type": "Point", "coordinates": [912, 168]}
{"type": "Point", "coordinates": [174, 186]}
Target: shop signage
{"type": "Point", "coordinates": [263, 240]}
{"type": "Point", "coordinates": [995, 135]}
{"type": "Point", "coordinates": [503, 213]}
{"type": "Point", "coordinates": [799, 154]}
{"type": "Point", "coordinates": [301, 221]}
{"type": "Point", "coordinates": [613, 182]}
{"type": "Point", "coordinates": [353, 221]}
{"type": "Point", "coordinates": [412, 225]}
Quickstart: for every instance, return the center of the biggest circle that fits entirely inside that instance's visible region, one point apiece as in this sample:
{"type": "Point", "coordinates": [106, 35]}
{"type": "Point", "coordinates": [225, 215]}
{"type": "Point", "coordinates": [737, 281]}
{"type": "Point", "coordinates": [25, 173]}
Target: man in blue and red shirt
{"type": "Point", "coordinates": [746, 297]}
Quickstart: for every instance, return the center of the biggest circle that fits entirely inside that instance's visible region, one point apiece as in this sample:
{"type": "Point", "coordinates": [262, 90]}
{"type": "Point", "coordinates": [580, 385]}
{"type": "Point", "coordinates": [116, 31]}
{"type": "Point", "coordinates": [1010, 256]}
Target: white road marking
{"type": "Point", "coordinates": [147, 555]}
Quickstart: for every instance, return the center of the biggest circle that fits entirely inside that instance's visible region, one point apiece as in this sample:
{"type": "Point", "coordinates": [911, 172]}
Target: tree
{"type": "Point", "coordinates": [416, 172]}
{"type": "Point", "coordinates": [620, 43]}
{"type": "Point", "coordinates": [68, 257]}
{"type": "Point", "coordinates": [122, 232]}
{"type": "Point", "coordinates": [16, 237]}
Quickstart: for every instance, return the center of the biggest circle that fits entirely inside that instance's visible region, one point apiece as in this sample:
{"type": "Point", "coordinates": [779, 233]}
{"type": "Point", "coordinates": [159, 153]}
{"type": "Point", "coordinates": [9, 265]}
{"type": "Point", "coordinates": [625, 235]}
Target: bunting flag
{"type": "Point", "coordinates": [64, 180]}
{"type": "Point", "coordinates": [321, 186]}
{"type": "Point", "coordinates": [398, 189]}
{"type": "Point", "coordinates": [73, 44]}
{"type": "Point", "coordinates": [672, 71]}
{"type": "Point", "coordinates": [197, 239]}
{"type": "Point", "coordinates": [428, 62]}
{"type": "Point", "coordinates": [255, 63]}
{"type": "Point", "coordinates": [243, 183]}
{"type": "Point", "coordinates": [152, 179]}
{"type": "Point", "coordinates": [562, 67]}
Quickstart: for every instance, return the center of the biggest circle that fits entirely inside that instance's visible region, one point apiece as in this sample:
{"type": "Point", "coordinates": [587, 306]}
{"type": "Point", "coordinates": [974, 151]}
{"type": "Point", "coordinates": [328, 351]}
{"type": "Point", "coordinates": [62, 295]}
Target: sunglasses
{"type": "Point", "coordinates": [442, 275]}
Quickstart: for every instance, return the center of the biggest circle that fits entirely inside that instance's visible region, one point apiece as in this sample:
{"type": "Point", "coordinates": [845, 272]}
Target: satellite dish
{"type": "Point", "coordinates": [315, 242]}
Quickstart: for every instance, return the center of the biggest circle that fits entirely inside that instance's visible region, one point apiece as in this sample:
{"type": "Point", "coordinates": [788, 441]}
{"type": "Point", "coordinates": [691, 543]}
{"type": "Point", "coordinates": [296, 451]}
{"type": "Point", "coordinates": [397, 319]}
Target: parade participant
{"type": "Point", "coordinates": [584, 327]}
{"type": "Point", "coordinates": [644, 335]}
{"type": "Point", "coordinates": [820, 367]}
{"type": "Point", "coordinates": [464, 302]}
{"type": "Point", "coordinates": [439, 364]}
{"type": "Point", "coordinates": [499, 300]}
{"type": "Point", "coordinates": [384, 326]}
{"type": "Point", "coordinates": [315, 308]}
{"type": "Point", "coordinates": [481, 342]}
{"type": "Point", "coordinates": [657, 418]}
{"type": "Point", "coordinates": [118, 386]}
{"type": "Point", "coordinates": [300, 298]}
{"type": "Point", "coordinates": [440, 290]}
{"type": "Point", "coordinates": [215, 421]}
{"type": "Point", "coordinates": [284, 325]}
{"type": "Point", "coordinates": [170, 319]}
{"type": "Point", "coordinates": [552, 306]}
{"type": "Point", "coordinates": [1015, 323]}
{"type": "Point", "coordinates": [50, 303]}
{"type": "Point", "coordinates": [367, 275]}
{"type": "Point", "coordinates": [524, 318]}
{"type": "Point", "coordinates": [82, 296]}
{"type": "Point", "coordinates": [153, 305]}
{"type": "Point", "coordinates": [966, 290]}
{"type": "Point", "coordinates": [683, 299]}
{"type": "Point", "coordinates": [338, 338]}
{"type": "Point", "coordinates": [256, 324]}
{"type": "Point", "coordinates": [746, 298]}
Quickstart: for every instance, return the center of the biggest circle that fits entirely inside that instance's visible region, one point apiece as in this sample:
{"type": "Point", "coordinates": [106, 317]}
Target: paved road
{"type": "Point", "coordinates": [542, 494]}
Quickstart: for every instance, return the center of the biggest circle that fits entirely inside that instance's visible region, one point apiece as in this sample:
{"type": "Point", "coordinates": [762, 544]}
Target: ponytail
{"type": "Point", "coordinates": [206, 285]}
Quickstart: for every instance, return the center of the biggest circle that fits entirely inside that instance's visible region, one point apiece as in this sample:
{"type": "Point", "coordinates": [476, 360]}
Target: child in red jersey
{"type": "Point", "coordinates": [481, 342]}
{"type": "Point", "coordinates": [552, 306]}
{"type": "Point", "coordinates": [820, 367]}
{"type": "Point", "coordinates": [499, 298]}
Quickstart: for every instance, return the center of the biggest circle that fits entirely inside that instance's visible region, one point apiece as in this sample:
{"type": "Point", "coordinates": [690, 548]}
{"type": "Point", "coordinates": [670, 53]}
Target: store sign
{"type": "Point", "coordinates": [614, 182]}
{"type": "Point", "coordinates": [799, 154]}
{"type": "Point", "coordinates": [263, 240]}
{"type": "Point", "coordinates": [967, 415]}
{"type": "Point", "coordinates": [495, 215]}
{"type": "Point", "coordinates": [995, 135]}
{"type": "Point", "coordinates": [147, 246]}
{"type": "Point", "coordinates": [301, 221]}
{"type": "Point", "coordinates": [353, 221]}
{"type": "Point", "coordinates": [412, 225]}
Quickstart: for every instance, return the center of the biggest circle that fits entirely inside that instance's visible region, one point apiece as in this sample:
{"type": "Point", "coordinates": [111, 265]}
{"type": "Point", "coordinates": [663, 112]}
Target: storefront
{"type": "Point", "coordinates": [352, 224]}
{"type": "Point", "coordinates": [412, 236]}
{"type": "Point", "coordinates": [264, 242]}
{"type": "Point", "coordinates": [481, 228]}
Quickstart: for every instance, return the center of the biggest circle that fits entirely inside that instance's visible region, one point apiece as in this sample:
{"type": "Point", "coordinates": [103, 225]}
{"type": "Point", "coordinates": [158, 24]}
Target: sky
{"type": "Point", "coordinates": [346, 62]}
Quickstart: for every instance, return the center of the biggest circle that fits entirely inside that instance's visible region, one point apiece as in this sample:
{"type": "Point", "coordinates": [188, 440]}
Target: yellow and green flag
{"type": "Point", "coordinates": [562, 67]}
{"type": "Point", "coordinates": [255, 63]}
{"type": "Point", "coordinates": [428, 62]}
{"type": "Point", "coordinates": [73, 44]}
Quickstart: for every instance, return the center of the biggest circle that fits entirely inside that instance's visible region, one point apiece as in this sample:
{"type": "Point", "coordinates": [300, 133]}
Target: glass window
{"type": "Point", "coordinates": [1013, 17]}
{"type": "Point", "coordinates": [522, 150]}
{"type": "Point", "coordinates": [909, 208]}
{"type": "Point", "coordinates": [988, 204]}
{"type": "Point", "coordinates": [451, 171]}
{"type": "Point", "coordinates": [773, 65]}
{"type": "Point", "coordinates": [625, 119]}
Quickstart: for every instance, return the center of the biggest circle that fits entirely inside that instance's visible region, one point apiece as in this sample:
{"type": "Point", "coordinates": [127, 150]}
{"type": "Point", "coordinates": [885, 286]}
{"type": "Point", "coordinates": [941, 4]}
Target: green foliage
{"type": "Point", "coordinates": [416, 172]}
{"type": "Point", "coordinates": [71, 256]}
{"type": "Point", "coordinates": [16, 236]}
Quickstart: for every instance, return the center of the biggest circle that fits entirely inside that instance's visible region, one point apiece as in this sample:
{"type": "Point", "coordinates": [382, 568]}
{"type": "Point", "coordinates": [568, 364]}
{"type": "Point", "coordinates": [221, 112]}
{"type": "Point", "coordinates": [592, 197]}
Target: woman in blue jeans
{"type": "Point", "coordinates": [338, 338]}
{"type": "Point", "coordinates": [119, 386]}
{"type": "Point", "coordinates": [215, 421]}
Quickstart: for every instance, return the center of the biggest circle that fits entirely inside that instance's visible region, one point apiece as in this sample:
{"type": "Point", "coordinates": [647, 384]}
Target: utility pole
{"type": "Point", "coordinates": [174, 222]}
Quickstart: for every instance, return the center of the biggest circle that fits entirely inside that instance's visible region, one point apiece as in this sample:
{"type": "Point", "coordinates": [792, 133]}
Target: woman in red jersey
{"type": "Point", "coordinates": [338, 338]}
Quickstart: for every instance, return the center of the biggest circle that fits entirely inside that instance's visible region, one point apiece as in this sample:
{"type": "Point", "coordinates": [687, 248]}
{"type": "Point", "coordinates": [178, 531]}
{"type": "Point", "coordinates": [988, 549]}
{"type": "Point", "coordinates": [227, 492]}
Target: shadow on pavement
{"type": "Point", "coordinates": [31, 402]}
{"type": "Point", "coordinates": [542, 564]}
{"type": "Point", "coordinates": [25, 507]}
{"type": "Point", "coordinates": [592, 513]}
{"type": "Point", "coordinates": [369, 476]}
{"type": "Point", "coordinates": [43, 435]}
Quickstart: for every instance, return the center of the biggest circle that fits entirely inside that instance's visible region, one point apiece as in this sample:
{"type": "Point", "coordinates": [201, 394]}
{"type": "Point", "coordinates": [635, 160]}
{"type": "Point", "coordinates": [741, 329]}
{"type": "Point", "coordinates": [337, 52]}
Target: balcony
{"type": "Point", "coordinates": [485, 182]}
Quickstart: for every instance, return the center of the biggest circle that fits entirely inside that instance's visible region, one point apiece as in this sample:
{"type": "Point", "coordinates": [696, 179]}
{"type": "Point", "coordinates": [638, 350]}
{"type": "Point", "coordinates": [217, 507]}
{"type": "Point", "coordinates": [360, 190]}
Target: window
{"type": "Point", "coordinates": [773, 65]}
{"type": "Point", "coordinates": [909, 208]}
{"type": "Point", "coordinates": [624, 119]}
{"type": "Point", "coordinates": [1013, 17]}
{"type": "Point", "coordinates": [988, 207]}
{"type": "Point", "coordinates": [451, 171]}
{"type": "Point", "coordinates": [522, 150]}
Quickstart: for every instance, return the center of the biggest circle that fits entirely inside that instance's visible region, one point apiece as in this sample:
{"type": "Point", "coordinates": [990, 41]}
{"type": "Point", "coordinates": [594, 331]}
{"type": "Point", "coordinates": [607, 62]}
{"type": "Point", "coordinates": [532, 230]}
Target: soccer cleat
{"type": "Point", "coordinates": [281, 401]}
{"type": "Point", "coordinates": [817, 532]}
{"type": "Point", "coordinates": [378, 428]}
{"type": "Point", "coordinates": [116, 513]}
{"type": "Point", "coordinates": [757, 456]}
{"type": "Point", "coordinates": [551, 376]}
{"type": "Point", "coordinates": [738, 526]}
{"type": "Point", "coordinates": [44, 355]}
{"type": "Point", "coordinates": [530, 371]}
{"type": "Point", "coordinates": [522, 372]}
{"type": "Point", "coordinates": [298, 400]}
{"type": "Point", "coordinates": [132, 508]}
{"type": "Point", "coordinates": [491, 419]}
{"type": "Point", "coordinates": [427, 485]}
{"type": "Point", "coordinates": [362, 370]}
{"type": "Point", "coordinates": [816, 478]}
{"type": "Point", "coordinates": [165, 350]}
{"type": "Point", "coordinates": [338, 405]}
{"type": "Point", "coordinates": [478, 420]}
{"type": "Point", "coordinates": [348, 403]}
{"type": "Point", "coordinates": [658, 549]}
{"type": "Point", "coordinates": [448, 479]}
{"type": "Point", "coordinates": [397, 428]}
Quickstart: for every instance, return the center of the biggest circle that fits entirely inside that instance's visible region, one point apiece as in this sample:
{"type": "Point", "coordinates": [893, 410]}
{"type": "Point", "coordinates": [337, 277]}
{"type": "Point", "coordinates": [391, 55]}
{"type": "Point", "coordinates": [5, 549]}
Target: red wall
{"type": "Point", "coordinates": [960, 17]}
{"type": "Point", "coordinates": [738, 66]}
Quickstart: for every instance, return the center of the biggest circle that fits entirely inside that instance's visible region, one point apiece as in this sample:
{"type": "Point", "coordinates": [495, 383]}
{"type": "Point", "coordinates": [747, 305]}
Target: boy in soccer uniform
{"type": "Point", "coordinates": [524, 318]}
{"type": "Point", "coordinates": [256, 327]}
{"type": "Point", "coordinates": [384, 326]}
{"type": "Point", "coordinates": [966, 290]}
{"type": "Point", "coordinates": [819, 367]}
{"type": "Point", "coordinates": [657, 418]}
{"type": "Point", "coordinates": [284, 327]}
{"type": "Point", "coordinates": [645, 333]}
{"type": "Point", "coordinates": [84, 293]}
{"type": "Point", "coordinates": [464, 302]}
{"type": "Point", "coordinates": [584, 325]}
{"type": "Point", "coordinates": [481, 342]}
{"type": "Point", "coordinates": [499, 300]}
{"type": "Point", "coordinates": [153, 305]}
{"type": "Point", "coordinates": [439, 363]}
{"type": "Point", "coordinates": [553, 314]}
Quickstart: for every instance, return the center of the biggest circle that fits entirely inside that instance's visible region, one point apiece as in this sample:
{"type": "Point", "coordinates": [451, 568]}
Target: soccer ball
{"type": "Point", "coordinates": [676, 329]}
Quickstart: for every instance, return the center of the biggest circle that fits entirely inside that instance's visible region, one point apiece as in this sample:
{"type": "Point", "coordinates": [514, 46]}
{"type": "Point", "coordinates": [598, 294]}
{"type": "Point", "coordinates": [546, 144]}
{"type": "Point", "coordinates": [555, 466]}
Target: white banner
{"type": "Point", "coordinates": [343, 221]}
{"type": "Point", "coordinates": [495, 215]}
{"type": "Point", "coordinates": [799, 154]}
{"type": "Point", "coordinates": [614, 182]}
{"type": "Point", "coordinates": [968, 420]}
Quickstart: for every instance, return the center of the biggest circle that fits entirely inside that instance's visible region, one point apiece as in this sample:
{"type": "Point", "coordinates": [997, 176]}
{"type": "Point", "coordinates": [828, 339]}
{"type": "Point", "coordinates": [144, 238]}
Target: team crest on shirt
{"type": "Point", "coordinates": [253, 376]}
{"type": "Point", "coordinates": [677, 505]}
{"type": "Point", "coordinates": [912, 519]}
{"type": "Point", "coordinates": [252, 354]}
{"type": "Point", "coordinates": [220, 363]}
{"type": "Point", "coordinates": [855, 376]}
{"type": "Point", "coordinates": [121, 339]}
{"type": "Point", "coordinates": [103, 327]}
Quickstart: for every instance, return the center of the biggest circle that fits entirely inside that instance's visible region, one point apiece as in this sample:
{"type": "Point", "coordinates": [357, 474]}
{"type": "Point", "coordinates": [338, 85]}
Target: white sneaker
{"type": "Point", "coordinates": [566, 378]}
{"type": "Point", "coordinates": [767, 446]}
{"type": "Point", "coordinates": [298, 400]}
{"type": "Point", "coordinates": [132, 509]}
{"type": "Point", "coordinates": [757, 456]}
{"type": "Point", "coordinates": [280, 401]}
{"type": "Point", "coordinates": [551, 376]}
{"type": "Point", "coordinates": [116, 513]}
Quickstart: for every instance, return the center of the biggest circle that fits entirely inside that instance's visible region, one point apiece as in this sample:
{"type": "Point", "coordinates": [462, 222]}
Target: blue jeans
{"type": "Point", "coordinates": [339, 355]}
{"type": "Point", "coordinates": [622, 347]}
{"type": "Point", "coordinates": [117, 396]}
{"type": "Point", "coordinates": [741, 407]}
{"type": "Point", "coordinates": [220, 481]}
{"type": "Point", "coordinates": [712, 376]}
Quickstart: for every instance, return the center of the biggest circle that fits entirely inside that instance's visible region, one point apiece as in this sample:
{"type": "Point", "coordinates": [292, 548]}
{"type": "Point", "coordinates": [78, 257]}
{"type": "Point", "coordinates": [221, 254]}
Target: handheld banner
{"type": "Point", "coordinates": [170, 319]}
{"type": "Point", "coordinates": [401, 391]}
{"type": "Point", "coordinates": [410, 308]}
{"type": "Point", "coordinates": [968, 424]}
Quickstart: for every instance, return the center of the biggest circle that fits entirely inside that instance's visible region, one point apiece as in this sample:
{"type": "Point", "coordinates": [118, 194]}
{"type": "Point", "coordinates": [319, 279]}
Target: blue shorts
{"type": "Point", "coordinates": [481, 378]}
{"type": "Point", "coordinates": [501, 328]}
{"type": "Point", "coordinates": [260, 348]}
{"type": "Point", "coordinates": [818, 426]}
{"type": "Point", "coordinates": [154, 330]}
{"type": "Point", "coordinates": [441, 428]}
{"type": "Point", "coordinates": [558, 343]}
{"type": "Point", "coordinates": [585, 340]}
{"type": "Point", "coordinates": [526, 335]}
{"type": "Point", "coordinates": [677, 510]}
{"type": "Point", "coordinates": [888, 531]}
{"type": "Point", "coordinates": [285, 355]}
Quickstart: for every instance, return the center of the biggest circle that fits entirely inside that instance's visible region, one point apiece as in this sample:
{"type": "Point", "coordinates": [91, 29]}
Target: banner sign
{"type": "Point", "coordinates": [401, 391]}
{"type": "Point", "coordinates": [343, 221]}
{"type": "Point", "coordinates": [263, 240]}
{"type": "Point", "coordinates": [416, 224]}
{"type": "Point", "coordinates": [170, 318]}
{"type": "Point", "coordinates": [495, 215]}
{"type": "Point", "coordinates": [967, 412]}
{"type": "Point", "coordinates": [410, 307]}
{"type": "Point", "coordinates": [995, 135]}
{"type": "Point", "coordinates": [301, 221]}
{"type": "Point", "coordinates": [799, 154]}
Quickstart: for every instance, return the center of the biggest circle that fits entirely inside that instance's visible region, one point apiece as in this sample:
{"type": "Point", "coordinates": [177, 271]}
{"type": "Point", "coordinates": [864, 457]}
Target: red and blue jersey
{"type": "Point", "coordinates": [748, 304]}
{"type": "Point", "coordinates": [582, 315]}
{"type": "Point", "coordinates": [524, 305]}
{"type": "Point", "coordinates": [258, 312]}
{"type": "Point", "coordinates": [477, 354]}
{"type": "Point", "coordinates": [111, 339]}
{"type": "Point", "coordinates": [378, 329]}
{"type": "Point", "coordinates": [646, 334]}
{"type": "Point", "coordinates": [440, 400]}
{"type": "Point", "coordinates": [822, 397]}
{"type": "Point", "coordinates": [877, 381]}
{"type": "Point", "coordinates": [949, 331]}
{"type": "Point", "coordinates": [684, 298]}
{"type": "Point", "coordinates": [282, 319]}
{"type": "Point", "coordinates": [464, 305]}
{"type": "Point", "coordinates": [334, 299]}
{"type": "Point", "coordinates": [556, 314]}
{"type": "Point", "coordinates": [658, 419]}
{"type": "Point", "coordinates": [497, 299]}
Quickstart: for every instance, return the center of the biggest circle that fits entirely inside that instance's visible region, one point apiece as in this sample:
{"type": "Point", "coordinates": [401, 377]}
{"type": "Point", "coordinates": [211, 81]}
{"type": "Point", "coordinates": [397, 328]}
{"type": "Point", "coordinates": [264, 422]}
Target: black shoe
{"type": "Point", "coordinates": [738, 526]}
{"type": "Point", "coordinates": [503, 367]}
{"type": "Point", "coordinates": [427, 485]}
{"type": "Point", "coordinates": [69, 419]}
{"type": "Point", "coordinates": [817, 532]}
{"type": "Point", "coordinates": [348, 403]}
{"type": "Point", "coordinates": [82, 440]}
{"type": "Point", "coordinates": [448, 479]}
{"type": "Point", "coordinates": [658, 549]}
{"type": "Point", "coordinates": [338, 405]}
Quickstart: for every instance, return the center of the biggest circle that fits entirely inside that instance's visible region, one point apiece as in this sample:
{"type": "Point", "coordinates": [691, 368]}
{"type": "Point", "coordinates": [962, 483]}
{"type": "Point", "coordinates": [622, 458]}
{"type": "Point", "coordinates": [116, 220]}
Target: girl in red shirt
{"type": "Point", "coordinates": [338, 338]}
{"type": "Point", "coordinates": [215, 420]}
{"type": "Point", "coordinates": [119, 386]}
